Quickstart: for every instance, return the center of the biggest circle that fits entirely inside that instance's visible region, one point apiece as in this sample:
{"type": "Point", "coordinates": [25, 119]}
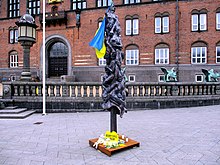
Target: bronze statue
{"type": "Point", "coordinates": [210, 76]}
{"type": "Point", "coordinates": [170, 75]}
{"type": "Point", "coordinates": [113, 84]}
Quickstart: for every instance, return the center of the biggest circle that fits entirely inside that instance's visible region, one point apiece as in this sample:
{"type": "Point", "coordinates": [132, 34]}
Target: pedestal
{"type": "Point", "coordinates": [113, 118]}
{"type": "Point", "coordinates": [109, 151]}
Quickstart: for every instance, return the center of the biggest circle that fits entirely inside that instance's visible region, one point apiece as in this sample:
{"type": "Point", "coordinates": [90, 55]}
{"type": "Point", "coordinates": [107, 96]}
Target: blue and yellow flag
{"type": "Point", "coordinates": [98, 41]}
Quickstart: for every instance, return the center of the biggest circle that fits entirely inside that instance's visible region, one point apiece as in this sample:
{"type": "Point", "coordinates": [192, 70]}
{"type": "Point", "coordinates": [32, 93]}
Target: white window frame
{"type": "Point", "coordinates": [81, 4]}
{"type": "Point", "coordinates": [157, 26]}
{"type": "Point", "coordinates": [162, 24]}
{"type": "Point", "coordinates": [16, 36]}
{"type": "Point", "coordinates": [199, 75]}
{"type": "Point", "coordinates": [203, 22]}
{"type": "Point", "coordinates": [161, 76]}
{"type": "Point", "coordinates": [132, 59]}
{"type": "Point", "coordinates": [13, 60]}
{"type": "Point", "coordinates": [131, 1]}
{"type": "Point", "coordinates": [102, 62]}
{"type": "Point", "coordinates": [132, 26]}
{"type": "Point", "coordinates": [104, 3]}
{"type": "Point", "coordinates": [217, 55]}
{"type": "Point", "coordinates": [11, 36]}
{"type": "Point", "coordinates": [128, 27]}
{"type": "Point", "coordinates": [196, 49]}
{"type": "Point", "coordinates": [195, 22]}
{"type": "Point", "coordinates": [130, 77]}
{"type": "Point", "coordinates": [14, 8]}
{"type": "Point", "coordinates": [101, 77]}
{"type": "Point", "coordinates": [199, 22]}
{"type": "Point", "coordinates": [217, 21]}
{"type": "Point", "coordinates": [126, 1]}
{"type": "Point", "coordinates": [135, 26]}
{"type": "Point", "coordinates": [162, 56]}
{"type": "Point", "coordinates": [165, 27]}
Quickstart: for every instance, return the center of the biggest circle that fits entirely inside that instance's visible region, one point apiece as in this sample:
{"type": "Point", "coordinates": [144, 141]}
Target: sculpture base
{"type": "Point", "coordinates": [109, 151]}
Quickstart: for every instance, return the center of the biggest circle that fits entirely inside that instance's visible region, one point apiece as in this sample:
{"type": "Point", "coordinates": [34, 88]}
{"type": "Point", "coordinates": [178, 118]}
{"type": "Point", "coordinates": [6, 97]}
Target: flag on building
{"type": "Point", "coordinates": [98, 41]}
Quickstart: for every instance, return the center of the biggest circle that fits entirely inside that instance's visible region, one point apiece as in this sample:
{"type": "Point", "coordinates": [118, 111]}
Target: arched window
{"type": "Point", "coordinates": [80, 4]}
{"type": "Point", "coordinates": [132, 55]}
{"type": "Point", "coordinates": [58, 56]}
{"type": "Point", "coordinates": [199, 53]}
{"type": "Point", "coordinates": [13, 59]}
{"type": "Point", "coordinates": [13, 35]}
{"type": "Point", "coordinates": [218, 52]}
{"type": "Point", "coordinates": [132, 25]}
{"type": "Point", "coordinates": [162, 54]}
{"type": "Point", "coordinates": [199, 20]}
{"type": "Point", "coordinates": [162, 23]}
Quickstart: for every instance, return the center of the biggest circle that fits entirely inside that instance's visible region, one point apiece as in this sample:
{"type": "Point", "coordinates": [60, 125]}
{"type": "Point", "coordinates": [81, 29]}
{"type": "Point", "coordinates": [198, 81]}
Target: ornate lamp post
{"type": "Point", "coordinates": [78, 12]}
{"type": "Point", "coordinates": [27, 37]}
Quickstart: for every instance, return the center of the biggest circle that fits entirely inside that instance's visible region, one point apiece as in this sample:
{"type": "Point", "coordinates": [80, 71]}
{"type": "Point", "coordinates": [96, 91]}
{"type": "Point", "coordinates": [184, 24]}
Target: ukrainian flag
{"type": "Point", "coordinates": [98, 41]}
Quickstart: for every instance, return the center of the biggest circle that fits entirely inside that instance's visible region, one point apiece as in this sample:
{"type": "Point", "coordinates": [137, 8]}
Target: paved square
{"type": "Point", "coordinates": [182, 136]}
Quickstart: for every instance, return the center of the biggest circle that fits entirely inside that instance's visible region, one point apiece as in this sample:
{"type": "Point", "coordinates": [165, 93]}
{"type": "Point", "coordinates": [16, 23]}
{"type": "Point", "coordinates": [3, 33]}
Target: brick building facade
{"type": "Point", "coordinates": [183, 34]}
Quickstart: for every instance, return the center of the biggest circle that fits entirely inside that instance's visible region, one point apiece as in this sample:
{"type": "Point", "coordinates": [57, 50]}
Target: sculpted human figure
{"type": "Point", "coordinates": [114, 92]}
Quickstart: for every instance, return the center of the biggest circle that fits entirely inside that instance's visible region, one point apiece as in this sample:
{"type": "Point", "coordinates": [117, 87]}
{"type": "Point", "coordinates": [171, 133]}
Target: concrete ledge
{"type": "Point", "coordinates": [94, 105]}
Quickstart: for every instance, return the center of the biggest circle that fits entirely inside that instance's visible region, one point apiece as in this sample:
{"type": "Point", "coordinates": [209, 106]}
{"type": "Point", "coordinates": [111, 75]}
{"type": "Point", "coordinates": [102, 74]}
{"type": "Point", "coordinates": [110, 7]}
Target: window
{"type": "Point", "coordinates": [218, 21]}
{"type": "Point", "coordinates": [199, 78]}
{"type": "Point", "coordinates": [131, 1]}
{"type": "Point", "coordinates": [13, 35]}
{"type": "Point", "coordinates": [132, 25]}
{"type": "Point", "coordinates": [57, 59]}
{"type": "Point", "coordinates": [13, 59]}
{"type": "Point", "coordinates": [218, 53]}
{"type": "Point", "coordinates": [80, 4]}
{"type": "Point", "coordinates": [131, 78]}
{"type": "Point", "coordinates": [33, 6]}
{"type": "Point", "coordinates": [161, 78]}
{"type": "Point", "coordinates": [103, 3]}
{"type": "Point", "coordinates": [13, 8]}
{"type": "Point", "coordinates": [162, 54]}
{"type": "Point", "coordinates": [162, 24]}
{"type": "Point", "coordinates": [199, 21]}
{"type": "Point", "coordinates": [102, 62]}
{"type": "Point", "coordinates": [198, 55]}
{"type": "Point", "coordinates": [132, 55]}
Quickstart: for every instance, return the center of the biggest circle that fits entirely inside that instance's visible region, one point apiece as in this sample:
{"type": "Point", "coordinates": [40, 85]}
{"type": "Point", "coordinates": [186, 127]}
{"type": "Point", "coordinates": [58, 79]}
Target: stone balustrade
{"type": "Point", "coordinates": [79, 96]}
{"type": "Point", "coordinates": [82, 90]}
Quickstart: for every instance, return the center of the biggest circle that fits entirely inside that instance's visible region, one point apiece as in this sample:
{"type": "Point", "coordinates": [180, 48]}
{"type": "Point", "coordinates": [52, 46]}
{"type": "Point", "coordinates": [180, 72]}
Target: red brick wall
{"type": "Point", "coordinates": [83, 55]}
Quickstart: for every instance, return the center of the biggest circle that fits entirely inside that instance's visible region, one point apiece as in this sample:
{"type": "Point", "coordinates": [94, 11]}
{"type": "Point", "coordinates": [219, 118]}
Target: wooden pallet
{"type": "Point", "coordinates": [109, 151]}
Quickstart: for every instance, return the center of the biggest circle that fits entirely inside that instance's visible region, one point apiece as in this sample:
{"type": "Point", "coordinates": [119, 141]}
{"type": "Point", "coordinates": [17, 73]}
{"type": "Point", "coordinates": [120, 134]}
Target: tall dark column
{"type": "Point", "coordinates": [114, 93]}
{"type": "Point", "coordinates": [26, 74]}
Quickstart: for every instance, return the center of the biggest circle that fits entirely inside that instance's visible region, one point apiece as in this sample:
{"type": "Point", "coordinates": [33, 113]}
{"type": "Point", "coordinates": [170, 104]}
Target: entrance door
{"type": "Point", "coordinates": [58, 55]}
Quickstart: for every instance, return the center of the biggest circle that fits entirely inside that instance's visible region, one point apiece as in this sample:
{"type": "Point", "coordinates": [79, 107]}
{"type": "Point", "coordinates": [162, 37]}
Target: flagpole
{"type": "Point", "coordinates": [44, 61]}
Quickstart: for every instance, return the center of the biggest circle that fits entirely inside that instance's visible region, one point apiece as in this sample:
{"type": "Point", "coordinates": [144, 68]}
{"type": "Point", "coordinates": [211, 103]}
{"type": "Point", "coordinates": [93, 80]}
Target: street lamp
{"type": "Point", "coordinates": [26, 37]}
{"type": "Point", "coordinates": [78, 12]}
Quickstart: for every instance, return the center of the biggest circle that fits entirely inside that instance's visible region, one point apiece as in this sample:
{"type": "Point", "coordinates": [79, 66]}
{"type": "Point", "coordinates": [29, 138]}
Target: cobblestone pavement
{"type": "Point", "coordinates": [182, 136]}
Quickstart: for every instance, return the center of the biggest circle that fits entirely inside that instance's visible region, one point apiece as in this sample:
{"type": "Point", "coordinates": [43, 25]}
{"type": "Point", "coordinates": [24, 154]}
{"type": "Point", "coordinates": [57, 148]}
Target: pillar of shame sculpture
{"type": "Point", "coordinates": [114, 91]}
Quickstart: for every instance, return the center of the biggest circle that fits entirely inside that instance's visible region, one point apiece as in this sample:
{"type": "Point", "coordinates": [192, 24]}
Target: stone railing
{"type": "Point", "coordinates": [78, 96]}
{"type": "Point", "coordinates": [91, 90]}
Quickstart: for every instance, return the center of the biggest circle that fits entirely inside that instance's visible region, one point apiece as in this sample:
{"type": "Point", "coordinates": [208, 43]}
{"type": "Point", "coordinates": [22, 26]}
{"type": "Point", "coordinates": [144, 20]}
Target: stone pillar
{"type": "Point", "coordinates": [26, 74]}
